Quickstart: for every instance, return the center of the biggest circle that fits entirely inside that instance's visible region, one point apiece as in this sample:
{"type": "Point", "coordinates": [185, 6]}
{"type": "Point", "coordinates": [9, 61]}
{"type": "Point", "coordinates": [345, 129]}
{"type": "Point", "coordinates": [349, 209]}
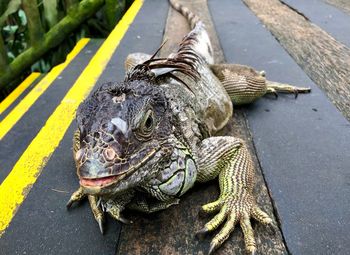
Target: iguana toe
{"type": "Point", "coordinates": [201, 233]}
{"type": "Point", "coordinates": [77, 196]}
{"type": "Point", "coordinates": [211, 249]}
{"type": "Point", "coordinates": [100, 224]}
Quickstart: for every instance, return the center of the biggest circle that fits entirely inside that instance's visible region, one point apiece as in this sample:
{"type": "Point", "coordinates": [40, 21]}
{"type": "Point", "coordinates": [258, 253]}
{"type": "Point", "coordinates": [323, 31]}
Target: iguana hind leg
{"type": "Point", "coordinates": [276, 87]}
{"type": "Point", "coordinates": [228, 158]}
{"type": "Point", "coordinates": [245, 85]}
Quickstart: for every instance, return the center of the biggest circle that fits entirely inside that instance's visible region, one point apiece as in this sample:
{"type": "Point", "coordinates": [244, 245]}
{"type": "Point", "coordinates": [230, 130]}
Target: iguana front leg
{"type": "Point", "coordinates": [245, 85]}
{"type": "Point", "coordinates": [114, 206]}
{"type": "Point", "coordinates": [228, 158]}
{"type": "Point", "coordinates": [79, 195]}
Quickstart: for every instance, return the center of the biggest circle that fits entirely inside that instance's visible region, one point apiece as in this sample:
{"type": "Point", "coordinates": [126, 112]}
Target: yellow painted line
{"type": "Point", "coordinates": [11, 119]}
{"type": "Point", "coordinates": [18, 183]}
{"type": "Point", "coordinates": [18, 91]}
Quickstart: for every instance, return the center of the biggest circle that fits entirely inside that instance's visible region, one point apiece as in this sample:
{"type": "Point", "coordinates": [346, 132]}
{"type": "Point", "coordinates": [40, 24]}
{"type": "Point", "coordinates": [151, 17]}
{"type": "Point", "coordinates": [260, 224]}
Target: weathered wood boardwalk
{"type": "Point", "coordinates": [300, 147]}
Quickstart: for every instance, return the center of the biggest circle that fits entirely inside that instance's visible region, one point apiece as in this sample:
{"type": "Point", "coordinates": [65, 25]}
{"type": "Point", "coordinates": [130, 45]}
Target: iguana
{"type": "Point", "coordinates": [143, 142]}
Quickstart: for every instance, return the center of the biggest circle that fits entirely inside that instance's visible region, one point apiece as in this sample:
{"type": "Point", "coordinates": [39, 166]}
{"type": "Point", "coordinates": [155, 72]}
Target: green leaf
{"type": "Point", "coordinates": [11, 29]}
{"type": "Point", "coordinates": [11, 56]}
{"type": "Point", "coordinates": [12, 7]}
{"type": "Point", "coordinates": [22, 16]}
{"type": "Point", "coordinates": [50, 12]}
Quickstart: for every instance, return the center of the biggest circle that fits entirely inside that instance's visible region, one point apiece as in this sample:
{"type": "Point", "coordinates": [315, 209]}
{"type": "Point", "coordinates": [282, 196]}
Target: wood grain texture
{"type": "Point", "coordinates": [173, 231]}
{"type": "Point", "coordinates": [343, 5]}
{"type": "Point", "coordinates": [325, 60]}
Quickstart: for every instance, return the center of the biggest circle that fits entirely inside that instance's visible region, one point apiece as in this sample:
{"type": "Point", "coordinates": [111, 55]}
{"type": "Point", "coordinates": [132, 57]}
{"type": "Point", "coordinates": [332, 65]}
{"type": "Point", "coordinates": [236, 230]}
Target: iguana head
{"type": "Point", "coordinates": [124, 135]}
{"type": "Point", "coordinates": [126, 129]}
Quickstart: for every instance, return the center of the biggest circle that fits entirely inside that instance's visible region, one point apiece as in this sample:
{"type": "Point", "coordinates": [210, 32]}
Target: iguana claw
{"type": "Point", "coordinates": [275, 87]}
{"type": "Point", "coordinates": [77, 196]}
{"type": "Point", "coordinates": [124, 220]}
{"type": "Point", "coordinates": [271, 228]}
{"type": "Point", "coordinates": [296, 93]}
{"type": "Point", "coordinates": [211, 249]}
{"type": "Point", "coordinates": [114, 210]}
{"type": "Point", "coordinates": [100, 224]}
{"type": "Point", "coordinates": [69, 204]}
{"type": "Point", "coordinates": [94, 205]}
{"type": "Point", "coordinates": [97, 211]}
{"type": "Point", "coordinates": [201, 233]}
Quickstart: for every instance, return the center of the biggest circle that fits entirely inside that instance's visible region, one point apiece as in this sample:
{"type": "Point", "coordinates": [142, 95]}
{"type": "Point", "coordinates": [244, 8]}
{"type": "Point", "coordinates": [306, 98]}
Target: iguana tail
{"type": "Point", "coordinates": [198, 39]}
{"type": "Point", "coordinates": [192, 18]}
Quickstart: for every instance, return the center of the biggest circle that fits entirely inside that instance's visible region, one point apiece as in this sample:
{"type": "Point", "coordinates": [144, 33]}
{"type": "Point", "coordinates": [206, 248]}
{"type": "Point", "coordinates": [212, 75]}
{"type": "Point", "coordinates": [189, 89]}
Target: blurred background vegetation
{"type": "Point", "coordinates": [36, 35]}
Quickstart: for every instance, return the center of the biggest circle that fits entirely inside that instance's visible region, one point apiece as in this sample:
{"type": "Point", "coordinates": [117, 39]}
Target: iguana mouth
{"type": "Point", "coordinates": [95, 184]}
{"type": "Point", "coordinates": [100, 182]}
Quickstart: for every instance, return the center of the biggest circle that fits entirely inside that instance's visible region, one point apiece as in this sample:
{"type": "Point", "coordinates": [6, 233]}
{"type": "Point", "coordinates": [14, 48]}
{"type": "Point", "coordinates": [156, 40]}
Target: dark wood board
{"type": "Point", "coordinates": [323, 58]}
{"type": "Point", "coordinates": [303, 144]}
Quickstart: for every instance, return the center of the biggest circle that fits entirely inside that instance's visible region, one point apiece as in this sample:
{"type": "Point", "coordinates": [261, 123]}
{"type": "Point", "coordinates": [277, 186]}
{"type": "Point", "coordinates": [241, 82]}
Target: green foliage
{"type": "Point", "coordinates": [50, 12]}
{"type": "Point", "coordinates": [12, 7]}
{"type": "Point", "coordinates": [15, 32]}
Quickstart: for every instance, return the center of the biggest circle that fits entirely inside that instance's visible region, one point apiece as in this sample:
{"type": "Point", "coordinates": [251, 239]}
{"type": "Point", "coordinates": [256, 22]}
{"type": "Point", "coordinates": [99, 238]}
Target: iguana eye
{"type": "Point", "coordinates": [147, 124]}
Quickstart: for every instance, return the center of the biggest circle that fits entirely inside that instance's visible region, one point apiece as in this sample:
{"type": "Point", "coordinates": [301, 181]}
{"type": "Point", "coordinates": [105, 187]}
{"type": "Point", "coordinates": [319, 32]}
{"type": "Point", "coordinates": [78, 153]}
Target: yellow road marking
{"type": "Point", "coordinates": [18, 91]}
{"type": "Point", "coordinates": [18, 183]}
{"type": "Point", "coordinates": [11, 119]}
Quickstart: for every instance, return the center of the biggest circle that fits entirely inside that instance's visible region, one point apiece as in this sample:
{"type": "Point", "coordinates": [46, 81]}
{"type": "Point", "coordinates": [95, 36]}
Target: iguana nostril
{"type": "Point", "coordinates": [79, 154]}
{"type": "Point", "coordinates": [109, 154]}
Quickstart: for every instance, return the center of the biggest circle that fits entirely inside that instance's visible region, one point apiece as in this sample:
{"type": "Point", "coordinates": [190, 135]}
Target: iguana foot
{"type": "Point", "coordinates": [229, 159]}
{"type": "Point", "coordinates": [234, 209]}
{"type": "Point", "coordinates": [274, 87]}
{"type": "Point", "coordinates": [270, 90]}
{"type": "Point", "coordinates": [97, 211]}
{"type": "Point", "coordinates": [77, 196]}
{"type": "Point", "coordinates": [114, 210]}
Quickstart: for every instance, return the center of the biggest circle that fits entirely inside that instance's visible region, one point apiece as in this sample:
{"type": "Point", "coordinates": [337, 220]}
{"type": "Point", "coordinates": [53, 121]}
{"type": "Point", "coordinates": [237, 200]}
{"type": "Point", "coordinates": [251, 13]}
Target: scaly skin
{"type": "Point", "coordinates": [142, 143]}
{"type": "Point", "coordinates": [245, 85]}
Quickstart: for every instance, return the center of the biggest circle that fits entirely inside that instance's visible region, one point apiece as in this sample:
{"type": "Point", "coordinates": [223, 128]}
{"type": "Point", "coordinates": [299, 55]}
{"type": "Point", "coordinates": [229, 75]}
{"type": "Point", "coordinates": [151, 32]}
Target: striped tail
{"type": "Point", "coordinates": [198, 39]}
{"type": "Point", "coordinates": [192, 18]}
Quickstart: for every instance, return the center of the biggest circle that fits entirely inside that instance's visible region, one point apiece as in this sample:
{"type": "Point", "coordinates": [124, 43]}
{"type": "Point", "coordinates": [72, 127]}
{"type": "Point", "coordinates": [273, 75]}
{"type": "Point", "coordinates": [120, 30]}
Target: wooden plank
{"type": "Point", "coordinates": [344, 5]}
{"type": "Point", "coordinates": [173, 231]}
{"type": "Point", "coordinates": [302, 144]}
{"type": "Point", "coordinates": [324, 59]}
{"type": "Point", "coordinates": [329, 18]}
